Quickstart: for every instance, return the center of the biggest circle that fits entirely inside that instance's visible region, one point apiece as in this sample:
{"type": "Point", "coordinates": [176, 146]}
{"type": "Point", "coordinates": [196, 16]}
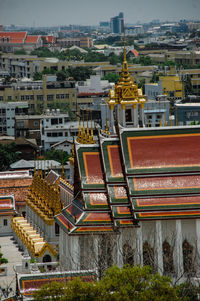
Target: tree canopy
{"type": "Point", "coordinates": [129, 283]}
{"type": "Point", "coordinates": [8, 155]}
{"type": "Point", "coordinates": [57, 155]}
{"type": "Point", "coordinates": [111, 77]}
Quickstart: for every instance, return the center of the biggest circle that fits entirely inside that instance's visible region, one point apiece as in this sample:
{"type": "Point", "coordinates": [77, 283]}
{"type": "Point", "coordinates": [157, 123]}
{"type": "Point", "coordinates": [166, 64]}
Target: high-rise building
{"type": "Point", "coordinates": [117, 23]}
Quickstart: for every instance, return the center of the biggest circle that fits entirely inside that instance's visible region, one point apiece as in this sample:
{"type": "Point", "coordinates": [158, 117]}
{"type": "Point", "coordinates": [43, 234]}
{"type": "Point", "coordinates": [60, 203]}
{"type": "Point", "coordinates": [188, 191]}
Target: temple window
{"type": "Point", "coordinates": [105, 259]}
{"type": "Point", "coordinates": [128, 254]}
{"type": "Point", "coordinates": [128, 115]}
{"type": "Point", "coordinates": [148, 255]}
{"type": "Point", "coordinates": [57, 229]}
{"type": "Point", "coordinates": [188, 257]}
{"type": "Point", "coordinates": [168, 264]}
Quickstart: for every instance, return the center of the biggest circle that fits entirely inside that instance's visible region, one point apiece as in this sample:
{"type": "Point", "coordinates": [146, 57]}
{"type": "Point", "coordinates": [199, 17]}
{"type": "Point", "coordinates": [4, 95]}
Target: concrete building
{"type": "Point", "coordinates": [156, 112]}
{"type": "Point", "coordinates": [52, 133]}
{"type": "Point", "coordinates": [187, 113]}
{"type": "Point", "coordinates": [28, 126]}
{"type": "Point", "coordinates": [93, 85]}
{"type": "Point", "coordinates": [20, 66]}
{"type": "Point", "coordinates": [170, 85]}
{"type": "Point", "coordinates": [8, 111]}
{"type": "Point", "coordinates": [7, 210]}
{"type": "Point", "coordinates": [83, 42]}
{"type": "Point", "coordinates": [117, 23]}
{"type": "Point", "coordinates": [194, 76]}
{"type": "Point", "coordinates": [41, 95]}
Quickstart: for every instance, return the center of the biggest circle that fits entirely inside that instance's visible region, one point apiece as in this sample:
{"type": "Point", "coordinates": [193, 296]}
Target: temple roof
{"type": "Point", "coordinates": [29, 283]}
{"type": "Point", "coordinates": [140, 174]}
{"type": "Point", "coordinates": [31, 239]}
{"type": "Point", "coordinates": [7, 205]}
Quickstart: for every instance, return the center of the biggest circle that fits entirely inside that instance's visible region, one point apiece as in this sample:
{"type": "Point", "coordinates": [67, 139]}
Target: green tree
{"type": "Point", "coordinates": [136, 283]}
{"type": "Point", "coordinates": [2, 259]}
{"type": "Point", "coordinates": [126, 284]}
{"type": "Point", "coordinates": [53, 291]}
{"type": "Point", "coordinates": [42, 52]}
{"type": "Point", "coordinates": [79, 73]}
{"type": "Point", "coordinates": [8, 155]}
{"type": "Point", "coordinates": [20, 52]}
{"type": "Point", "coordinates": [187, 291]}
{"type": "Point", "coordinates": [111, 77]}
{"type": "Point", "coordinates": [58, 155]}
{"type": "Point", "coordinates": [187, 85]}
{"type": "Point", "coordinates": [37, 76]}
{"type": "Point", "coordinates": [141, 83]}
{"type": "Point", "coordinates": [61, 75]}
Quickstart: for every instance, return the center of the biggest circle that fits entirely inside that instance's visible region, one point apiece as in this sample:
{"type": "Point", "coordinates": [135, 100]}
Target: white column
{"type": "Point", "coordinates": [139, 246]}
{"type": "Point", "coordinates": [135, 115]}
{"type": "Point", "coordinates": [119, 250]}
{"type": "Point", "coordinates": [198, 246]}
{"type": "Point", "coordinates": [96, 253]}
{"type": "Point", "coordinates": [75, 253]}
{"type": "Point", "coordinates": [123, 116]}
{"type": "Point", "coordinates": [159, 251]}
{"type": "Point", "coordinates": [178, 250]}
{"type": "Point", "coordinates": [111, 119]}
{"type": "Point", "coordinates": [142, 113]}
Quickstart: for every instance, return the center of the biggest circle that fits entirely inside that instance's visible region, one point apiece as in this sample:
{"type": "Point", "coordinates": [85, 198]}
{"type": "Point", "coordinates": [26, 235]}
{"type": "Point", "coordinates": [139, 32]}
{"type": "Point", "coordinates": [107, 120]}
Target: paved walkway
{"type": "Point", "coordinates": [10, 251]}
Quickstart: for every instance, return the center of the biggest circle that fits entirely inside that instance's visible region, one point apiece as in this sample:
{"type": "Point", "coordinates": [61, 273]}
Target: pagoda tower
{"type": "Point", "coordinates": [126, 101]}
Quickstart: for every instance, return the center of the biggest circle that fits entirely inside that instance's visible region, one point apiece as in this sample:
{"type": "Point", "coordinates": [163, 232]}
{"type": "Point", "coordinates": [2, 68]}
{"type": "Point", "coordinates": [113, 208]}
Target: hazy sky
{"type": "Point", "coordinates": [91, 12]}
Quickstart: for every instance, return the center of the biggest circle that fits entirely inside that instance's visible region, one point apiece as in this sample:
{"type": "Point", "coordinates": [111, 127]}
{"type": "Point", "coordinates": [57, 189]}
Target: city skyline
{"type": "Point", "coordinates": [65, 12]}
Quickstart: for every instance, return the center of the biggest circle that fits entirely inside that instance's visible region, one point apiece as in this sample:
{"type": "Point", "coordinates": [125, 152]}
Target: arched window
{"type": "Point", "coordinates": [57, 229]}
{"type": "Point", "coordinates": [46, 258]}
{"type": "Point", "coordinates": [168, 264]}
{"type": "Point", "coordinates": [105, 251]}
{"type": "Point", "coordinates": [148, 255]}
{"type": "Point", "coordinates": [128, 254]}
{"type": "Point", "coordinates": [188, 257]}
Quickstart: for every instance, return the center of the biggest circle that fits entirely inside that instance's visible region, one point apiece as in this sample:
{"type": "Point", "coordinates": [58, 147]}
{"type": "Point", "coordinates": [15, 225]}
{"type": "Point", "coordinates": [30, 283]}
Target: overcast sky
{"type": "Point", "coordinates": [91, 12]}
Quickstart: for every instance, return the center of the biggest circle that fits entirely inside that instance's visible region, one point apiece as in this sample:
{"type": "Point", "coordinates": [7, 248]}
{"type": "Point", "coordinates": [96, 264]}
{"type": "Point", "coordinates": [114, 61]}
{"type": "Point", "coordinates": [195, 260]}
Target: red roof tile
{"type": "Point", "coordinates": [14, 37]}
{"type": "Point", "coordinates": [32, 39]}
{"type": "Point", "coordinates": [16, 187]}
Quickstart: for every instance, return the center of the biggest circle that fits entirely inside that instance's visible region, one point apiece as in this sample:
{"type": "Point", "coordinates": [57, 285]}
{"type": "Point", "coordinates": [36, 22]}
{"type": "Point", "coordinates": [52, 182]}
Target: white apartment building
{"type": "Point", "coordinates": [8, 110]}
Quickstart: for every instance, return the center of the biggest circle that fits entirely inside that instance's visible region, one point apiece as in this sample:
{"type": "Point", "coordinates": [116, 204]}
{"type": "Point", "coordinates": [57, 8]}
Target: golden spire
{"type": "Point", "coordinates": [125, 89]}
{"type": "Point", "coordinates": [92, 141]}
{"type": "Point", "coordinates": [87, 132]}
{"type": "Point", "coordinates": [63, 172]}
{"type": "Point", "coordinates": [79, 138]}
{"type": "Point", "coordinates": [71, 159]}
{"type": "Point", "coordinates": [83, 131]}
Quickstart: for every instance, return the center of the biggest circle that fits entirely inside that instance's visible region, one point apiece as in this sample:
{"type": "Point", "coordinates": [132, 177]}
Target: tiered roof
{"type": "Point", "coordinates": [44, 196]}
{"type": "Point", "coordinates": [28, 284]}
{"type": "Point", "coordinates": [7, 205]}
{"type": "Point", "coordinates": [140, 174]}
{"type": "Point", "coordinates": [30, 238]}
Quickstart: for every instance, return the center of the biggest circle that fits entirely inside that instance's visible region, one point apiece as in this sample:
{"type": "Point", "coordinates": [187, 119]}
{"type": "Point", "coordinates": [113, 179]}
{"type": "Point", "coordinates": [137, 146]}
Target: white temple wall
{"type": "Point", "coordinates": [100, 251]}
{"type": "Point", "coordinates": [5, 225]}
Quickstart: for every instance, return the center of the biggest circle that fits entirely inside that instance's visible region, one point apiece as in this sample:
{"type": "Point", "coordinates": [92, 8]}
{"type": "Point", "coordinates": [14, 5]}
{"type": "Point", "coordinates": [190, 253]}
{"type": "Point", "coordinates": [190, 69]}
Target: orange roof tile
{"type": "Point", "coordinates": [14, 37]}
{"type": "Point", "coordinates": [32, 39]}
{"type": "Point", "coordinates": [16, 187]}
{"type": "Point", "coordinates": [135, 52]}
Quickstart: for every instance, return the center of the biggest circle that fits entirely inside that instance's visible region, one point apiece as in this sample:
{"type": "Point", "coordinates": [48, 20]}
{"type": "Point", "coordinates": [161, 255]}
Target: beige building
{"type": "Point", "coordinates": [41, 95]}
{"type": "Point", "coordinates": [20, 65]}
{"type": "Point", "coordinates": [83, 42]}
{"type": "Point", "coordinates": [195, 79]}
